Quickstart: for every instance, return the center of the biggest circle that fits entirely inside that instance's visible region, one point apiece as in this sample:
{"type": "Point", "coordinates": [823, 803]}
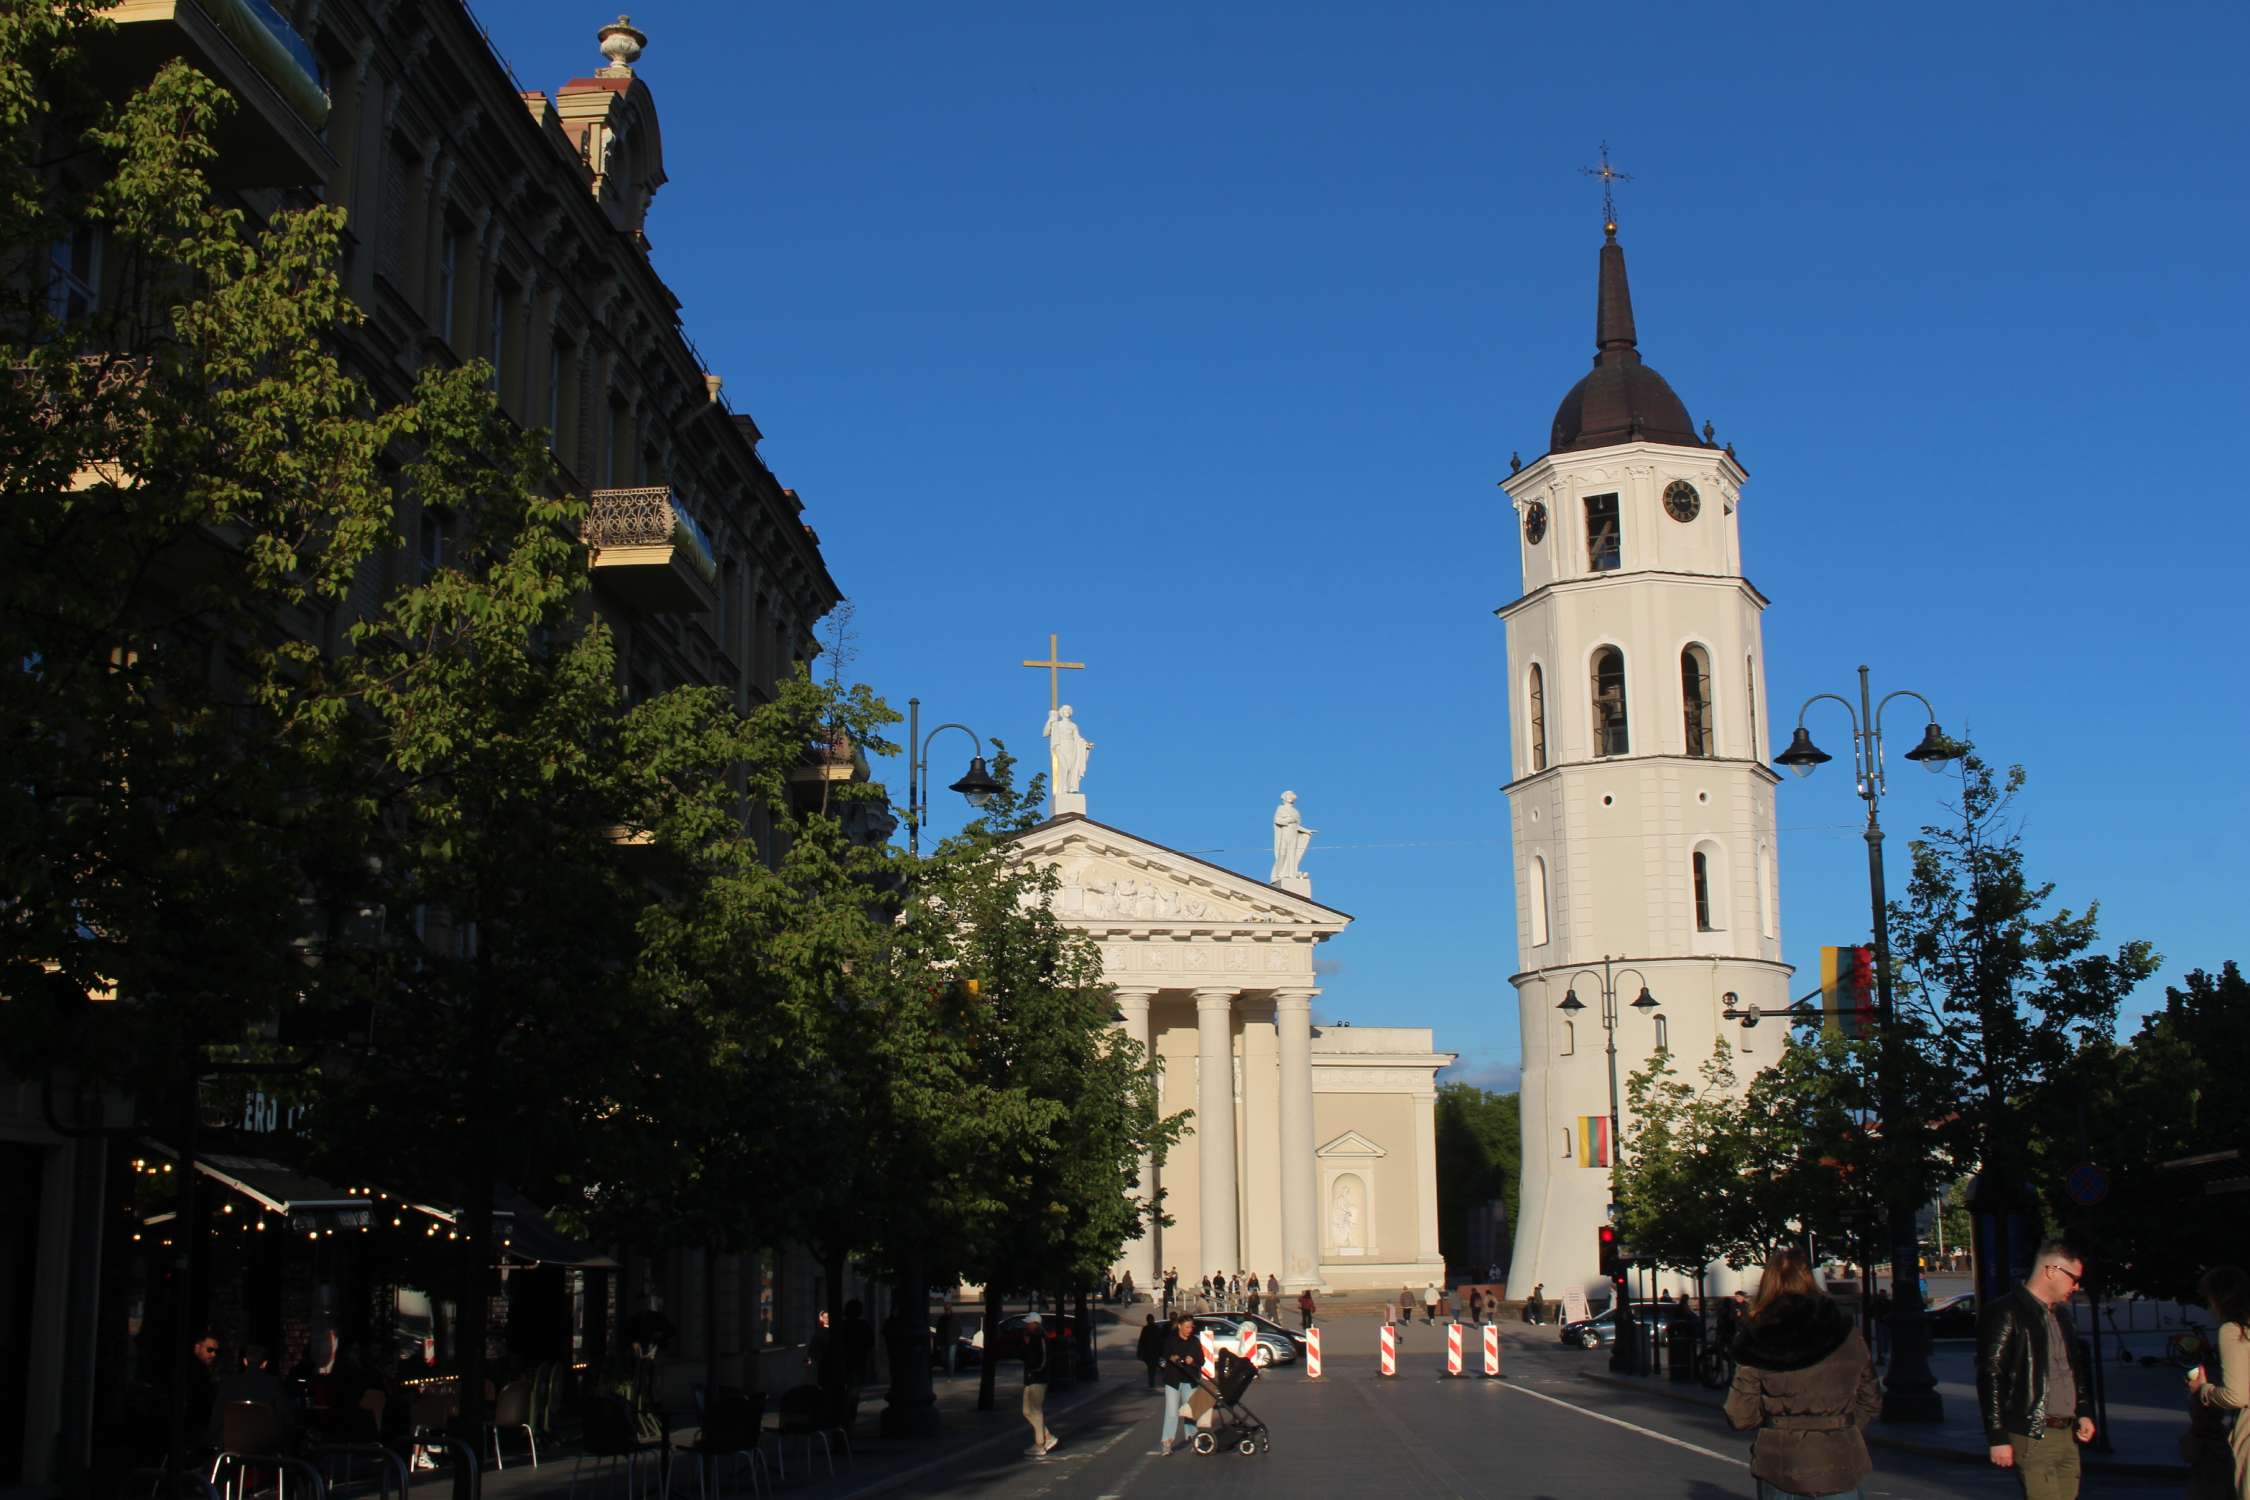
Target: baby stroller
{"type": "Point", "coordinates": [1231, 1421]}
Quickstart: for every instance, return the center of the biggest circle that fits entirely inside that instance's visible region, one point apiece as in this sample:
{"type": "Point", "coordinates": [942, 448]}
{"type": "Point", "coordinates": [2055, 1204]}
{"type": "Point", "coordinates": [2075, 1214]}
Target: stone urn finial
{"type": "Point", "coordinates": [622, 43]}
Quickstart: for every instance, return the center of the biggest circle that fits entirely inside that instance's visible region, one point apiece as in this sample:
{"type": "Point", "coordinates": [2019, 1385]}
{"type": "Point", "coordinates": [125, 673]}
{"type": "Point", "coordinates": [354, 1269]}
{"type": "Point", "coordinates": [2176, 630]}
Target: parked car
{"type": "Point", "coordinates": [1600, 1330]}
{"type": "Point", "coordinates": [1954, 1317]}
{"type": "Point", "coordinates": [1276, 1345]}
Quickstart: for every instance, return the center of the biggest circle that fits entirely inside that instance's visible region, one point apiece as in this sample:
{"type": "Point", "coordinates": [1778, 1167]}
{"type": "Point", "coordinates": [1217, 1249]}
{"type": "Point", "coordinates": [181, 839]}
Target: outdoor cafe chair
{"type": "Point", "coordinates": [803, 1413]}
{"type": "Point", "coordinates": [610, 1432]}
{"type": "Point", "coordinates": [733, 1425]}
{"type": "Point", "coordinates": [511, 1412]}
{"type": "Point", "coordinates": [250, 1441]}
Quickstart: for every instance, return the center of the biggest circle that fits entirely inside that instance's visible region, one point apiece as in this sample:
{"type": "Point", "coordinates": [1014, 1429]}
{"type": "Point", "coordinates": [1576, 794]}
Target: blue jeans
{"type": "Point", "coordinates": [1768, 1491]}
{"type": "Point", "coordinates": [1175, 1397]}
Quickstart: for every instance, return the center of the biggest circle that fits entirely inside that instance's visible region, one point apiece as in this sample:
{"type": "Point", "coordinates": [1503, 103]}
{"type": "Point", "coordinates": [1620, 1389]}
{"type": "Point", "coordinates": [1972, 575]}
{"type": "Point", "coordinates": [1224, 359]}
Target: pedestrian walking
{"type": "Point", "coordinates": [1273, 1296]}
{"type": "Point", "coordinates": [1430, 1302]}
{"type": "Point", "coordinates": [1804, 1382]}
{"type": "Point", "coordinates": [1234, 1293]}
{"type": "Point", "coordinates": [1476, 1305]}
{"type": "Point", "coordinates": [1535, 1310]}
{"type": "Point", "coordinates": [1305, 1309]}
{"type": "Point", "coordinates": [1882, 1325]}
{"type": "Point", "coordinates": [1036, 1358]}
{"type": "Point", "coordinates": [1149, 1348]}
{"type": "Point", "coordinates": [2226, 1291]}
{"type": "Point", "coordinates": [1406, 1304]}
{"type": "Point", "coordinates": [2032, 1389]}
{"type": "Point", "coordinates": [1183, 1367]}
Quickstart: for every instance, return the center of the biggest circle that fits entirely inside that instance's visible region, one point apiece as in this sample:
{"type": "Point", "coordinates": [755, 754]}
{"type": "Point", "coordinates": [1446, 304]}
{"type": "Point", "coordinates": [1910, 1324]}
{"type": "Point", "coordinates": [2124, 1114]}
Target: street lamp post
{"type": "Point", "coordinates": [978, 785]}
{"type": "Point", "coordinates": [1621, 1353]}
{"type": "Point", "coordinates": [1910, 1389]}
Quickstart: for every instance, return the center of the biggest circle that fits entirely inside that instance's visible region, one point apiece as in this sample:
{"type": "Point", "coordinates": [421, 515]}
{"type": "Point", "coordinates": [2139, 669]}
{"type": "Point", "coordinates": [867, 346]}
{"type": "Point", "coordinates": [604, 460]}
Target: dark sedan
{"type": "Point", "coordinates": [1954, 1317]}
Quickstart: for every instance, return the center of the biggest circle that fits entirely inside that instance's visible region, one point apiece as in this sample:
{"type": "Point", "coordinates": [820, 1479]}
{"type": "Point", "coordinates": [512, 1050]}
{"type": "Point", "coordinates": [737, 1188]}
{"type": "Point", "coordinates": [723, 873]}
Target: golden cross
{"type": "Point", "coordinates": [1609, 176]}
{"type": "Point", "coordinates": [1055, 668]}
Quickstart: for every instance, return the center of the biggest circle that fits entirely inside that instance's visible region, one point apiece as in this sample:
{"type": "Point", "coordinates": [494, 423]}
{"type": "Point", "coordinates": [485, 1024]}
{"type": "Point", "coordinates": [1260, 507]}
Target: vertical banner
{"type": "Point", "coordinates": [1593, 1141]}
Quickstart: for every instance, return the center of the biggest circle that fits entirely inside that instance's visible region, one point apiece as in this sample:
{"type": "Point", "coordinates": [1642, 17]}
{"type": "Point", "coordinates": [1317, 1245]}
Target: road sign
{"type": "Point", "coordinates": [2087, 1184]}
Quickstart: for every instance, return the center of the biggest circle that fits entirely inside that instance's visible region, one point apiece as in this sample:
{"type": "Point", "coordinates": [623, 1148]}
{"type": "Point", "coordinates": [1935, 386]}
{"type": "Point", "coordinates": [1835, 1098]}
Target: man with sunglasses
{"type": "Point", "coordinates": [2031, 1377]}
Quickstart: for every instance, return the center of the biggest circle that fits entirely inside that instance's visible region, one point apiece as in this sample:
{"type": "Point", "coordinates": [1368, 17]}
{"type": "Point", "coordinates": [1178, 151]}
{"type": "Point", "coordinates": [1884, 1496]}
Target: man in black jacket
{"type": "Point", "coordinates": [2032, 1388]}
{"type": "Point", "coordinates": [1149, 1349]}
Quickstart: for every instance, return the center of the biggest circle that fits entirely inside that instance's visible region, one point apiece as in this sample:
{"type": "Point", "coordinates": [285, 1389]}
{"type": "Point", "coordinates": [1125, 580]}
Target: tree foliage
{"type": "Point", "coordinates": [1479, 1159]}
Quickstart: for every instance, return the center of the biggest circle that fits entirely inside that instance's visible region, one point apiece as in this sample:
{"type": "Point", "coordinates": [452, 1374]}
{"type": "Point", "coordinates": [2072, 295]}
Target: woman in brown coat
{"type": "Point", "coordinates": [1803, 1379]}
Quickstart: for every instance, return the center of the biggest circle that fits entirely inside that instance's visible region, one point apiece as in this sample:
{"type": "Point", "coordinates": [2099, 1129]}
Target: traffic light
{"type": "Point", "coordinates": [1861, 986]}
{"type": "Point", "coordinates": [1610, 1265]}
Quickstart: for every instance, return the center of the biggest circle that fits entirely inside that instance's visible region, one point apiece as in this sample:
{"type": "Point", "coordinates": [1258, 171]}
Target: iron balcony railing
{"type": "Point", "coordinates": [649, 517]}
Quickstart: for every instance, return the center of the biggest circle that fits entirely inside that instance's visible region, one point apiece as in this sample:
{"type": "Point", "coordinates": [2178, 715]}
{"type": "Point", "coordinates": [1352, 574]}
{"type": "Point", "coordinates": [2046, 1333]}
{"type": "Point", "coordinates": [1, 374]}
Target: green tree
{"type": "Point", "coordinates": [1479, 1159]}
{"type": "Point", "coordinates": [1998, 994]}
{"type": "Point", "coordinates": [1679, 1169]}
{"type": "Point", "coordinates": [2175, 1091]}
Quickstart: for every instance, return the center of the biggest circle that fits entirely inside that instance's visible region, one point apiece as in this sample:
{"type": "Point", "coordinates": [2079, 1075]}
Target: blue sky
{"type": "Point", "coordinates": [1201, 334]}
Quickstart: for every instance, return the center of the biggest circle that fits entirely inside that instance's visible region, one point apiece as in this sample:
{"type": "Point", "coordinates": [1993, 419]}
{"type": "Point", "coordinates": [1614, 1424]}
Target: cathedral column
{"type": "Point", "coordinates": [1300, 1189]}
{"type": "Point", "coordinates": [1140, 1256]}
{"type": "Point", "coordinates": [1218, 1233]}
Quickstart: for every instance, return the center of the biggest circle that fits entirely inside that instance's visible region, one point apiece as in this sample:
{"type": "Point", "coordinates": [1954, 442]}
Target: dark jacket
{"type": "Point", "coordinates": [2012, 1367]}
{"type": "Point", "coordinates": [1804, 1380]}
{"type": "Point", "coordinates": [1035, 1356]}
{"type": "Point", "coordinates": [1183, 1359]}
{"type": "Point", "coordinates": [1149, 1348]}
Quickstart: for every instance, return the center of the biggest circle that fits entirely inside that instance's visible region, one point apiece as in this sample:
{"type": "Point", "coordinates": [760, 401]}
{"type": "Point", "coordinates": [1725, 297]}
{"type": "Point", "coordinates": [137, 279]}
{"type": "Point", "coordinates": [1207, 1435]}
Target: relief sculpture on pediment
{"type": "Point", "coordinates": [1101, 893]}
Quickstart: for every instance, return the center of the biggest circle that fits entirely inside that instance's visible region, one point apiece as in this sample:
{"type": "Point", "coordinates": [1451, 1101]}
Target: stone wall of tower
{"type": "Point", "coordinates": [1606, 835]}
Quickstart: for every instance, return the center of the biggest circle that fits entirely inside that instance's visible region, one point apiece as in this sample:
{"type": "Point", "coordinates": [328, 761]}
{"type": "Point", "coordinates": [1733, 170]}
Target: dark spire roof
{"type": "Point", "coordinates": [1622, 400]}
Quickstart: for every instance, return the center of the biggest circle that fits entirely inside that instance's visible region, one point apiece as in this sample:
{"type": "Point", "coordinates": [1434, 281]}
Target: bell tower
{"type": "Point", "coordinates": [1641, 805]}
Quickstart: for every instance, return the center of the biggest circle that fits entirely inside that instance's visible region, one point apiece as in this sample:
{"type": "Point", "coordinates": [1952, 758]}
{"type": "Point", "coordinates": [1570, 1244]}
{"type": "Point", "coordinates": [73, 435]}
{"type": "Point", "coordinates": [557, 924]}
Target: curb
{"type": "Point", "coordinates": [2123, 1468]}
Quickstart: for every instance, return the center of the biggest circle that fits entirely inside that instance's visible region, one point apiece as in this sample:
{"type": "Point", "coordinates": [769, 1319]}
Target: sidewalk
{"type": "Point", "coordinates": [877, 1466]}
{"type": "Point", "coordinates": [2147, 1414]}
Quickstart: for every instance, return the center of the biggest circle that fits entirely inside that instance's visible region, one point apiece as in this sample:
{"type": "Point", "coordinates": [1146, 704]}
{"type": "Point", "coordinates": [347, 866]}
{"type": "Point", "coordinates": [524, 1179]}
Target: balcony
{"type": "Point", "coordinates": [649, 553]}
{"type": "Point", "coordinates": [249, 48]}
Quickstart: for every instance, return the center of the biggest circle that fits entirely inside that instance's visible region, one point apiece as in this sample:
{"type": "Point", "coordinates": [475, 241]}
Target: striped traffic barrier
{"type": "Point", "coordinates": [1491, 1350]}
{"type": "Point", "coordinates": [1390, 1349]}
{"type": "Point", "coordinates": [1246, 1341]}
{"type": "Point", "coordinates": [1453, 1348]}
{"type": "Point", "coordinates": [1312, 1353]}
{"type": "Point", "coordinates": [1210, 1354]}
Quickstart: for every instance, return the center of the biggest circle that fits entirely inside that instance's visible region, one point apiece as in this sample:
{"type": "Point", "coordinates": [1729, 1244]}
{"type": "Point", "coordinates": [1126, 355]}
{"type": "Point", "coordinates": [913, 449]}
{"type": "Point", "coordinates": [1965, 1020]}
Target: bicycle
{"type": "Point", "coordinates": [1715, 1367]}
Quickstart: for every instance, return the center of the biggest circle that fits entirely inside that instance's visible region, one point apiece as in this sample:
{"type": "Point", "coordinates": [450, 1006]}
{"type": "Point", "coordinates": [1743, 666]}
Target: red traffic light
{"type": "Point", "coordinates": [1606, 1244]}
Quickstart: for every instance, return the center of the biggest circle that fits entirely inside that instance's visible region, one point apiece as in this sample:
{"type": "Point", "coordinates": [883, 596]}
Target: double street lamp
{"type": "Point", "coordinates": [1910, 1391]}
{"type": "Point", "coordinates": [978, 784]}
{"type": "Point", "coordinates": [1621, 1356]}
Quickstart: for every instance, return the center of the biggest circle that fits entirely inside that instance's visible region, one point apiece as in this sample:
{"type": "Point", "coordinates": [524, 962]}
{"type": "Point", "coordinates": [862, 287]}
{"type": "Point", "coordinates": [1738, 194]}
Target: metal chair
{"type": "Point", "coordinates": [610, 1431]}
{"type": "Point", "coordinates": [511, 1412]}
{"type": "Point", "coordinates": [803, 1413]}
{"type": "Point", "coordinates": [733, 1427]}
{"type": "Point", "coordinates": [249, 1440]}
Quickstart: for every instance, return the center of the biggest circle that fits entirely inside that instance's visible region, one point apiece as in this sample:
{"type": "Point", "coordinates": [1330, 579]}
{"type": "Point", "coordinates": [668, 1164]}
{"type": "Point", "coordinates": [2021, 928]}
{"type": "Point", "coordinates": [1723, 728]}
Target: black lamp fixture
{"type": "Point", "coordinates": [1571, 1005]}
{"type": "Point", "coordinates": [1645, 1000]}
{"type": "Point", "coordinates": [978, 785]}
{"type": "Point", "coordinates": [1935, 751]}
{"type": "Point", "coordinates": [1803, 756]}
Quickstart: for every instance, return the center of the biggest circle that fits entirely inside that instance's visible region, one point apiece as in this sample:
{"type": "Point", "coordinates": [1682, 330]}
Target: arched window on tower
{"type": "Point", "coordinates": [1765, 889]}
{"type": "Point", "coordinates": [1610, 734]}
{"type": "Point", "coordinates": [1663, 1034]}
{"type": "Point", "coordinates": [1707, 869]}
{"type": "Point", "coordinates": [1695, 700]}
{"type": "Point", "coordinates": [1537, 896]}
{"type": "Point", "coordinates": [1750, 696]}
{"type": "Point", "coordinates": [1569, 1039]}
{"type": "Point", "coordinates": [1537, 691]}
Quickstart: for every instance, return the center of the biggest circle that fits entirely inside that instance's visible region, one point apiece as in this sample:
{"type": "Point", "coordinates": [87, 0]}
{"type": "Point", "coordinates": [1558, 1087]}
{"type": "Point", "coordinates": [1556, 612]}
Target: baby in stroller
{"type": "Point", "coordinates": [1230, 1421]}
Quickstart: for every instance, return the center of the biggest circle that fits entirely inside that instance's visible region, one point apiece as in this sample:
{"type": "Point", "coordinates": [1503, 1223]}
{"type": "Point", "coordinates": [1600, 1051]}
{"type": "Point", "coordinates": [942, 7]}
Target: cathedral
{"type": "Point", "coordinates": [1640, 798]}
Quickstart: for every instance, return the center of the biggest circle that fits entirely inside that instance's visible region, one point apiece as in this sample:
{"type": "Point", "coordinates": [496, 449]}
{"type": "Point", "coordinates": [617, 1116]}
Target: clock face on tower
{"type": "Point", "coordinates": [1681, 502]}
{"type": "Point", "coordinates": [1534, 522]}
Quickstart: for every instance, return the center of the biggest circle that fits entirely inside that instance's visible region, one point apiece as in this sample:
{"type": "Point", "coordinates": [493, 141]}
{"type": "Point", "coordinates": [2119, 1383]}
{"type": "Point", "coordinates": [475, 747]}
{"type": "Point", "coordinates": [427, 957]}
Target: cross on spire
{"type": "Point", "coordinates": [1055, 666]}
{"type": "Point", "coordinates": [1610, 176]}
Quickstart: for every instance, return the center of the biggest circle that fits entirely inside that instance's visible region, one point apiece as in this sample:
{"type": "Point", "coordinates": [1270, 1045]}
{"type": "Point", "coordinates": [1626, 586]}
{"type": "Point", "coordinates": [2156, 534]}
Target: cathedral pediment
{"type": "Point", "coordinates": [1351, 1143]}
{"type": "Point", "coordinates": [1113, 880]}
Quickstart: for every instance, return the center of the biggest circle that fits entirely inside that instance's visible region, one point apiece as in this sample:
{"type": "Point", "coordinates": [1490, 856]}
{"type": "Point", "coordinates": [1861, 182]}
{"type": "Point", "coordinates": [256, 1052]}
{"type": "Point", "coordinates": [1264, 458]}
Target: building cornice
{"type": "Point", "coordinates": [1604, 580]}
{"type": "Point", "coordinates": [1765, 772]}
{"type": "Point", "coordinates": [1701, 960]}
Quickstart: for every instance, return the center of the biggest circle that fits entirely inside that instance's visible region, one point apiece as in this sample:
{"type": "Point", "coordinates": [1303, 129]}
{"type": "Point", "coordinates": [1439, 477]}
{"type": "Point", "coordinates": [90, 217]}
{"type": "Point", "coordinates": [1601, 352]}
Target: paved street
{"type": "Point", "coordinates": [1545, 1431]}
